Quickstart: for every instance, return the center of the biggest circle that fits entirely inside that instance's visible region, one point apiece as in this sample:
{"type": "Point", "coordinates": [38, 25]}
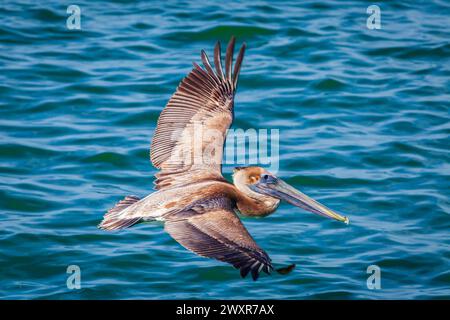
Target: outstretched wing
{"type": "Point", "coordinates": [219, 234]}
{"type": "Point", "coordinates": [191, 129]}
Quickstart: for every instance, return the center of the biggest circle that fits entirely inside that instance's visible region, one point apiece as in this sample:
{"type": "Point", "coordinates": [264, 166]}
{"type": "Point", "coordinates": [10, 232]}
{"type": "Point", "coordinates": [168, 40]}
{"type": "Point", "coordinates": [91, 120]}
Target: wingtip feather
{"type": "Point", "coordinates": [238, 64]}
{"type": "Point", "coordinates": [218, 60]}
{"type": "Point", "coordinates": [229, 57]}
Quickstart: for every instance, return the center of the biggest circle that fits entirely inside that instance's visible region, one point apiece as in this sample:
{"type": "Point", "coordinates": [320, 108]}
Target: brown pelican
{"type": "Point", "coordinates": [197, 204]}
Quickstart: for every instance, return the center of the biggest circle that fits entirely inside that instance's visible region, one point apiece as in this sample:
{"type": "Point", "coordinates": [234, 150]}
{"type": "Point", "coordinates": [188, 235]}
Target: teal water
{"type": "Point", "coordinates": [364, 128]}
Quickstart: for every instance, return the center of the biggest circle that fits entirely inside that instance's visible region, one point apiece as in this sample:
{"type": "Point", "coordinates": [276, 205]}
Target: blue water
{"type": "Point", "coordinates": [364, 128]}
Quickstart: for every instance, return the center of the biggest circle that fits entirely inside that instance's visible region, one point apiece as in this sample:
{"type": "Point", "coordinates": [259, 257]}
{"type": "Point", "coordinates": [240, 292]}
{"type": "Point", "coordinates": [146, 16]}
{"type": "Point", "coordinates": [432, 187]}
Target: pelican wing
{"type": "Point", "coordinates": [192, 128]}
{"type": "Point", "coordinates": [219, 234]}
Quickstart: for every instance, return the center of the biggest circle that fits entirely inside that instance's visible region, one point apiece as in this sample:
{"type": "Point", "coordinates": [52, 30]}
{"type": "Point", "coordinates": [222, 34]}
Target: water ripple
{"type": "Point", "coordinates": [364, 125]}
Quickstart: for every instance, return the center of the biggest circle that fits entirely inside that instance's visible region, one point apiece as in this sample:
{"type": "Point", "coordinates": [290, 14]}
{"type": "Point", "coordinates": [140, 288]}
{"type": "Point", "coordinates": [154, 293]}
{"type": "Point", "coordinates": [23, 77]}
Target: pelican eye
{"type": "Point", "coordinates": [267, 178]}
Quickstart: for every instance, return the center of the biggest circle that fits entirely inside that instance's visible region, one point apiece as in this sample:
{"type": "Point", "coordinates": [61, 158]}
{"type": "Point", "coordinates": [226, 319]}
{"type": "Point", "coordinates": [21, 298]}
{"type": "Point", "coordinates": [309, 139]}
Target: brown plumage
{"type": "Point", "coordinates": [204, 99]}
{"type": "Point", "coordinates": [194, 200]}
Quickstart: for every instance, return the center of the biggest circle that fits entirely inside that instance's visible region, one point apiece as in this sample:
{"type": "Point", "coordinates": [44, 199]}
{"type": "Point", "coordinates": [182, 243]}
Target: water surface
{"type": "Point", "coordinates": [364, 128]}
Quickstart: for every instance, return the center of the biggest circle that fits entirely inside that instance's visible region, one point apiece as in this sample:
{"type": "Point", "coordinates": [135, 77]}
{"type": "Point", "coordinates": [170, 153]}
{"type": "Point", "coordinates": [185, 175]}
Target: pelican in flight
{"type": "Point", "coordinates": [196, 203]}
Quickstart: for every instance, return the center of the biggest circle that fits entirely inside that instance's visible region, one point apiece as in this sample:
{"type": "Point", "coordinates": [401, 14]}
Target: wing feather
{"type": "Point", "coordinates": [229, 58]}
{"type": "Point", "coordinates": [237, 65]}
{"type": "Point", "coordinates": [218, 61]}
{"type": "Point", "coordinates": [191, 129]}
{"type": "Point", "coordinates": [219, 234]}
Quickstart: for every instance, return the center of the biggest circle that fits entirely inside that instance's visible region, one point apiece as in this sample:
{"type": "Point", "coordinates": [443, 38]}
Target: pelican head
{"type": "Point", "coordinates": [260, 184]}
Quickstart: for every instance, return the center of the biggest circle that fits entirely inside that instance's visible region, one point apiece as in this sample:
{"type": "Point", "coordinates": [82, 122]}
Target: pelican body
{"type": "Point", "coordinates": [196, 203]}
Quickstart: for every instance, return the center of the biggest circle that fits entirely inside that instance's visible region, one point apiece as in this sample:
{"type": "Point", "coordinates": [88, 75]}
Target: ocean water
{"type": "Point", "coordinates": [363, 117]}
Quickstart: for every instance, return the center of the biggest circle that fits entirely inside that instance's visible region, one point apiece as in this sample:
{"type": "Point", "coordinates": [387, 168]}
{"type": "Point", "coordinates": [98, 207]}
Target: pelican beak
{"type": "Point", "coordinates": [276, 187]}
